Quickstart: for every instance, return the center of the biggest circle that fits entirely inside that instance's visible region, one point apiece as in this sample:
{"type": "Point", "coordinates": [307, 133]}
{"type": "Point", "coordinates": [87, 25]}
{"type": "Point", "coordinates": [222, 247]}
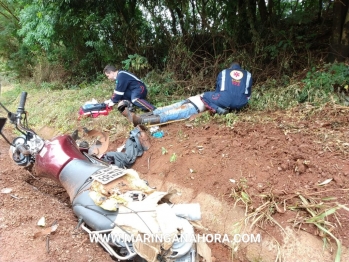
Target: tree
{"type": "Point", "coordinates": [16, 57]}
{"type": "Point", "coordinates": [339, 45]}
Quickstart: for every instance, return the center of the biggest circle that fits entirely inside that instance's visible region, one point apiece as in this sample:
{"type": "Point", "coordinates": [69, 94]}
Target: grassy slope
{"type": "Point", "coordinates": [58, 109]}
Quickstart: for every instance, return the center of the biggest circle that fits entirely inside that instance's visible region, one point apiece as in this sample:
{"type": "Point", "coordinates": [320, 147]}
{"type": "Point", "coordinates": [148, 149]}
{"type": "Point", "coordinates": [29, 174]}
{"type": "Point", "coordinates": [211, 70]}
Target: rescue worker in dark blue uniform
{"type": "Point", "coordinates": [233, 90]}
{"type": "Point", "coordinates": [128, 87]}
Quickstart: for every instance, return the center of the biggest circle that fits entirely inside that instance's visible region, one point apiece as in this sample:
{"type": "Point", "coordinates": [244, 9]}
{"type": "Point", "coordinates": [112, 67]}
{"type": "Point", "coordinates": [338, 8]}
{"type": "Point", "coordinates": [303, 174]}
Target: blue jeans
{"type": "Point", "coordinates": [177, 111]}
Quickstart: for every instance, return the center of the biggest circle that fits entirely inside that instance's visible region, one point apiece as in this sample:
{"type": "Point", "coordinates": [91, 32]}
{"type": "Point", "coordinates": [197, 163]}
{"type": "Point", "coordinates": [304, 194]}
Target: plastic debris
{"type": "Point", "coordinates": [158, 134]}
{"type": "Point", "coordinates": [153, 129]}
{"type": "Point", "coordinates": [41, 222]}
{"type": "Point", "coordinates": [325, 182]}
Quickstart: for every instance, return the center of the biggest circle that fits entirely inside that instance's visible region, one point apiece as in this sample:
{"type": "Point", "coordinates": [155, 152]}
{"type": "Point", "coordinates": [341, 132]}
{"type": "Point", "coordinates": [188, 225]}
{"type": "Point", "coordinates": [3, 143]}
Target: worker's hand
{"type": "Point", "coordinates": [109, 102]}
{"type": "Point", "coordinates": [222, 111]}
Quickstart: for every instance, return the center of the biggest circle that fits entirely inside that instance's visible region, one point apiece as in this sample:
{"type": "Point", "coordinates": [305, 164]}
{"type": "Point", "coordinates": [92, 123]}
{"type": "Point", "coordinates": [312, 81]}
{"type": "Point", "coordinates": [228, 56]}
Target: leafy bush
{"type": "Point", "coordinates": [319, 84]}
{"type": "Point", "coordinates": [136, 63]}
{"type": "Point", "coordinates": [163, 89]}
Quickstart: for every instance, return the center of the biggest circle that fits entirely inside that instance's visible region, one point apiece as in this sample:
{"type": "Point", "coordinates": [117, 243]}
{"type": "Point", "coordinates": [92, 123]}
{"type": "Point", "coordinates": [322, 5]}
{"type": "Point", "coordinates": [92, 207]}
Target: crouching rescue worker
{"type": "Point", "coordinates": [233, 90]}
{"type": "Point", "coordinates": [128, 87]}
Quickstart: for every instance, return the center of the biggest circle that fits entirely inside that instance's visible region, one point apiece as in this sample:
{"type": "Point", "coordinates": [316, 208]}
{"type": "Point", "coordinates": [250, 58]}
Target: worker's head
{"type": "Point", "coordinates": [111, 72]}
{"type": "Point", "coordinates": [234, 65]}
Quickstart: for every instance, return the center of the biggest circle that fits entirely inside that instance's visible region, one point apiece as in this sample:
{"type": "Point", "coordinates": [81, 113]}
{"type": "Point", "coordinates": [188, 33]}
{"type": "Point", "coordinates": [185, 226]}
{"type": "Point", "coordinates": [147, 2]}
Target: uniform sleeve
{"type": "Point", "coordinates": [120, 88]}
{"type": "Point", "coordinates": [219, 82]}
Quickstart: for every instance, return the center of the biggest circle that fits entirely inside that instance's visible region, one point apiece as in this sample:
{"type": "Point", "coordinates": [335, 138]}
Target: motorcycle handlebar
{"type": "Point", "coordinates": [20, 109]}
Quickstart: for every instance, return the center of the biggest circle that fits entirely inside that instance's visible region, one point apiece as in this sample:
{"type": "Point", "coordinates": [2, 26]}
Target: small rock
{"type": "Point", "coordinates": [6, 190]}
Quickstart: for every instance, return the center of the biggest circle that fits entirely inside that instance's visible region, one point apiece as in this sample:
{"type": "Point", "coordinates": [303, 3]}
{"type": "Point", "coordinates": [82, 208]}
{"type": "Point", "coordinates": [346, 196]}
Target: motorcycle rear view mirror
{"type": "Point", "coordinates": [2, 123]}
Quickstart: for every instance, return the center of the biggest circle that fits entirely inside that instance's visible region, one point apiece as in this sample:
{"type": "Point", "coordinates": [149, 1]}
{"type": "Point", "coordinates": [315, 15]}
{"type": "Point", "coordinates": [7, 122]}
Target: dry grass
{"type": "Point", "coordinates": [312, 209]}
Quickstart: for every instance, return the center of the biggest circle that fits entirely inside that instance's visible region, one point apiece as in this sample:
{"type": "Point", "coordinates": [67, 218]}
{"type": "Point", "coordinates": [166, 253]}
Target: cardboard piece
{"type": "Point", "coordinates": [204, 250]}
{"type": "Point", "coordinates": [110, 195]}
{"type": "Point", "coordinates": [147, 250]}
{"type": "Point", "coordinates": [101, 144]}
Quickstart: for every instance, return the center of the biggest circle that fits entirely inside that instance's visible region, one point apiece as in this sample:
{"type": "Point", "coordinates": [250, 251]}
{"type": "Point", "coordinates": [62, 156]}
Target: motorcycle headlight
{"type": "Point", "coordinates": [16, 156]}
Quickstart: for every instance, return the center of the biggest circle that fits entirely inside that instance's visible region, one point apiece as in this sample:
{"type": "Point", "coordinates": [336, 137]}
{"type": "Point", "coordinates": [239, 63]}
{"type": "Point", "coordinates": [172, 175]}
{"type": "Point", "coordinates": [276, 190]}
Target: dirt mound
{"type": "Point", "coordinates": [291, 166]}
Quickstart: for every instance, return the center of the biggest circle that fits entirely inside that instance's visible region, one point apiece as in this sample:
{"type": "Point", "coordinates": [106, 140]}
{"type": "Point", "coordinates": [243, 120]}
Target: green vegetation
{"type": "Point", "coordinates": [49, 105]}
{"type": "Point", "coordinates": [320, 85]}
{"type": "Point", "coordinates": [173, 158]}
{"type": "Point", "coordinates": [65, 43]}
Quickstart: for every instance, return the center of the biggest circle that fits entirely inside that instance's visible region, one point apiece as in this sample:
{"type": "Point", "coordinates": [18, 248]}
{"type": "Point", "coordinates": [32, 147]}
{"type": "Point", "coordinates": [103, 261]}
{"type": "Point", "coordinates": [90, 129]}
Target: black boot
{"type": "Point", "coordinates": [147, 114]}
{"type": "Point", "coordinates": [150, 120]}
{"type": "Point", "coordinates": [140, 120]}
{"type": "Point", "coordinates": [131, 117]}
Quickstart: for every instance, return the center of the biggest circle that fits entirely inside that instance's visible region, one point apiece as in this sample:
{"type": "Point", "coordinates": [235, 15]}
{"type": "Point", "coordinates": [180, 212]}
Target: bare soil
{"type": "Point", "coordinates": [276, 155]}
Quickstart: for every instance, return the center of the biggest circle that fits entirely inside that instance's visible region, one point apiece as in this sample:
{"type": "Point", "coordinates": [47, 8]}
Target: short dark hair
{"type": "Point", "coordinates": [109, 68]}
{"type": "Point", "coordinates": [234, 64]}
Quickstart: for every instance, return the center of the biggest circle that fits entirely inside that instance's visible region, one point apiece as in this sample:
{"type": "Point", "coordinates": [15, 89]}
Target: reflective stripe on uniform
{"type": "Point", "coordinates": [144, 103]}
{"type": "Point", "coordinates": [248, 80]}
{"type": "Point", "coordinates": [119, 93]}
{"type": "Point", "coordinates": [223, 80]}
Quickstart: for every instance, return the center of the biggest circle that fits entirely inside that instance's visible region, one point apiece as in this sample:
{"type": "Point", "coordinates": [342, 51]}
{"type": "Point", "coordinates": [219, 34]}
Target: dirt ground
{"type": "Point", "coordinates": [279, 157]}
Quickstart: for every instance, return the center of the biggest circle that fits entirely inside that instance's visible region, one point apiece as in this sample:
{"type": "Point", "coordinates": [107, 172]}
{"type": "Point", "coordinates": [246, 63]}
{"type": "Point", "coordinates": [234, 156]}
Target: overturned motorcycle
{"type": "Point", "coordinates": [120, 211]}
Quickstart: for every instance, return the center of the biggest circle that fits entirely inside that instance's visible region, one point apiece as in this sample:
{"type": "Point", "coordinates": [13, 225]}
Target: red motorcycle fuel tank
{"type": "Point", "coordinates": [55, 154]}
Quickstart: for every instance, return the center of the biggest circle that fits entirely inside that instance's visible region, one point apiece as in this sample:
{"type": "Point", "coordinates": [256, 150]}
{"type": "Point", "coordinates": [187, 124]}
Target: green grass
{"type": "Point", "coordinates": [58, 109]}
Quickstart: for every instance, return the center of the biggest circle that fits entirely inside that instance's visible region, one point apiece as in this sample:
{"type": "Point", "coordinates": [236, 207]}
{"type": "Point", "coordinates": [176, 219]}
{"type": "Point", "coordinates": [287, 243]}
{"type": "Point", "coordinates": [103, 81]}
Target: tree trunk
{"type": "Point", "coordinates": [345, 37]}
{"type": "Point", "coordinates": [263, 12]}
{"type": "Point", "coordinates": [270, 8]}
{"type": "Point", "coordinates": [339, 40]}
{"type": "Point", "coordinates": [251, 15]}
{"type": "Point", "coordinates": [319, 14]}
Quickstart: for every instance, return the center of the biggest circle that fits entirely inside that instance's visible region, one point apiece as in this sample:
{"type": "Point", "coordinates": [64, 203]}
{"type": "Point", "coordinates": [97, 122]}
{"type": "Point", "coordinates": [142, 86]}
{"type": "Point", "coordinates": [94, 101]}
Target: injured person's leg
{"type": "Point", "coordinates": [145, 119]}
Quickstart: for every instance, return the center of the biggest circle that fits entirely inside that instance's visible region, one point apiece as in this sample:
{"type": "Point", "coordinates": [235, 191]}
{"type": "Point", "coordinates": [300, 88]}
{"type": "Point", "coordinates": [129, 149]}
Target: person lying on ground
{"type": "Point", "coordinates": [128, 87]}
{"type": "Point", "coordinates": [177, 111]}
{"type": "Point", "coordinates": [233, 91]}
